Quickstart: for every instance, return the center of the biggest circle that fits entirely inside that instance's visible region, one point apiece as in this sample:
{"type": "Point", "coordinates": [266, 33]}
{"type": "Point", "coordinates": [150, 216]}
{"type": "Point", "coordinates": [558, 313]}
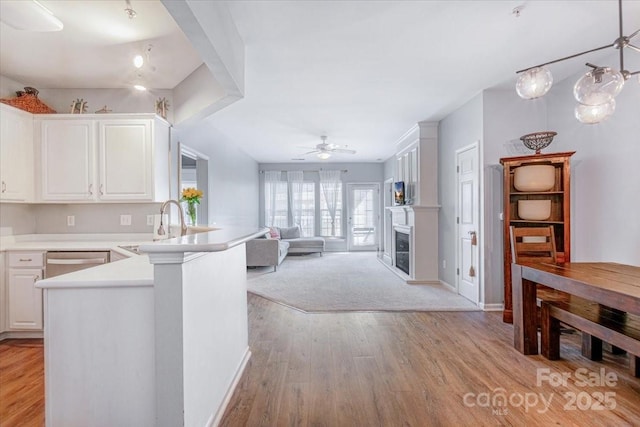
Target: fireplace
{"type": "Point", "coordinates": [402, 248]}
{"type": "Point", "coordinates": [403, 252]}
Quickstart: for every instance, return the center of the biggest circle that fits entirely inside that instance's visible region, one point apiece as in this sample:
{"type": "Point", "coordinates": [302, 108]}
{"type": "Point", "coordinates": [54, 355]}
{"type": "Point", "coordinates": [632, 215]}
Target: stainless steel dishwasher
{"type": "Point", "coordinates": [66, 262]}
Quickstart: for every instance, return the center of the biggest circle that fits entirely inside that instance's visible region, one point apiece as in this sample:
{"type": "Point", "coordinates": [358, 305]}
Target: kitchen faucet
{"type": "Point", "coordinates": [183, 226]}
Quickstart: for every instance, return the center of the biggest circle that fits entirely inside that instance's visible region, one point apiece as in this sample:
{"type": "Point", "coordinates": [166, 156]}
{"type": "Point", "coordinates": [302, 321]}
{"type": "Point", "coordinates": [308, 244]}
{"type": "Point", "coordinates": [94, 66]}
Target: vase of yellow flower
{"type": "Point", "coordinates": [192, 197]}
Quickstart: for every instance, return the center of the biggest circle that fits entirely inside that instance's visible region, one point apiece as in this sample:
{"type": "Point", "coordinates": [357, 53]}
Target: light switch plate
{"type": "Point", "coordinates": [125, 219]}
{"type": "Point", "coordinates": [71, 221]}
{"type": "Point", "coordinates": [149, 219]}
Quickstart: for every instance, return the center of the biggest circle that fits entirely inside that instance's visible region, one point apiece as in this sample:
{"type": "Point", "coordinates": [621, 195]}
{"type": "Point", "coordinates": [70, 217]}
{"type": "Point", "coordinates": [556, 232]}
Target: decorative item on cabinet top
{"type": "Point", "coordinates": [538, 140]}
{"type": "Point", "coordinates": [162, 107]}
{"type": "Point", "coordinates": [79, 106]}
{"type": "Point", "coordinates": [27, 100]}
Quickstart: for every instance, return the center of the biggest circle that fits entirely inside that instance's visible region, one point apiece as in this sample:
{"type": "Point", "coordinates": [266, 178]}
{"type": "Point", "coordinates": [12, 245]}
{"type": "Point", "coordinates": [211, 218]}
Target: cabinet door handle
{"type": "Point", "coordinates": [36, 278]}
{"type": "Point", "coordinates": [102, 189]}
{"type": "Point", "coordinates": [91, 189]}
{"type": "Point", "coordinates": [25, 260]}
{"type": "Point", "coordinates": [4, 187]}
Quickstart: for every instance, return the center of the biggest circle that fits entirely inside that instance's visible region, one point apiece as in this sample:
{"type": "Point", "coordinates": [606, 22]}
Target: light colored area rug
{"type": "Point", "coordinates": [348, 281]}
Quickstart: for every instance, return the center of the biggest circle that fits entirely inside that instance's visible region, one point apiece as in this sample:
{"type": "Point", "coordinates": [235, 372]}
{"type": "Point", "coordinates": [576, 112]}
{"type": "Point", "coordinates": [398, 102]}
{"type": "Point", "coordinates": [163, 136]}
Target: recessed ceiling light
{"type": "Point", "coordinates": [140, 88]}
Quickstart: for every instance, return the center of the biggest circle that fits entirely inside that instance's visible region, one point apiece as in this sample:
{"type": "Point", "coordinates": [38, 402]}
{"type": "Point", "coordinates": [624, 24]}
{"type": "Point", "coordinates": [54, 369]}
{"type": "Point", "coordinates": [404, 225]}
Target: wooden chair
{"type": "Point", "coordinates": [536, 244]}
{"type": "Point", "coordinates": [533, 244]}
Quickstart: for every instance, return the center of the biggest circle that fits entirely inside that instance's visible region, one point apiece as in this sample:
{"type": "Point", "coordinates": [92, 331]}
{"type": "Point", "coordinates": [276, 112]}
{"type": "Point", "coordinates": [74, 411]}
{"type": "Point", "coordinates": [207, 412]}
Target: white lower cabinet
{"type": "Point", "coordinates": [25, 300]}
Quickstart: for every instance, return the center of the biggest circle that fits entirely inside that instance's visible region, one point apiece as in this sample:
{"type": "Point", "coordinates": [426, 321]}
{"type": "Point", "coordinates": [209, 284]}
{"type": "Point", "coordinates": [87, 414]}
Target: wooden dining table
{"type": "Point", "coordinates": [610, 284]}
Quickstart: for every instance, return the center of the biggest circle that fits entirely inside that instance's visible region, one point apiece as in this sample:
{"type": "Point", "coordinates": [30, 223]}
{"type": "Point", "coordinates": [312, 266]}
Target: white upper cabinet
{"type": "Point", "coordinates": [117, 159]}
{"type": "Point", "coordinates": [68, 160]}
{"type": "Point", "coordinates": [16, 154]}
{"type": "Point", "coordinates": [125, 160]}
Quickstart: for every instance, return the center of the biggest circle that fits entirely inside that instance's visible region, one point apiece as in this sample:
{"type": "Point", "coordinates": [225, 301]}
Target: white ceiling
{"type": "Point", "coordinates": [361, 72]}
{"type": "Point", "coordinates": [97, 45]}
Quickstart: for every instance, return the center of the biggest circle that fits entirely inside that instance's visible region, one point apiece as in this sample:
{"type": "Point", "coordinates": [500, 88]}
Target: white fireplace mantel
{"type": "Point", "coordinates": [421, 223]}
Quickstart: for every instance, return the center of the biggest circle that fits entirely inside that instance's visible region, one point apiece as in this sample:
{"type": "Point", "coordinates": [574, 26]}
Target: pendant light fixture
{"type": "Point", "coordinates": [595, 91]}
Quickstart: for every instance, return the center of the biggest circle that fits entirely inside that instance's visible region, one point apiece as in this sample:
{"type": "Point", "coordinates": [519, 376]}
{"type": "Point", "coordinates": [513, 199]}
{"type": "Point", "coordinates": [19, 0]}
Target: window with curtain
{"type": "Point", "coordinates": [302, 207]}
{"type": "Point", "coordinates": [276, 200]}
{"type": "Point", "coordinates": [330, 203]}
{"type": "Point", "coordinates": [293, 201]}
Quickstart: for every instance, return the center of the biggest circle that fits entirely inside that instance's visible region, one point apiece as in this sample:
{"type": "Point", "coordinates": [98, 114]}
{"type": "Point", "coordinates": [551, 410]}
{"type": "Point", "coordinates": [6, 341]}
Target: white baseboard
{"type": "Point", "coordinates": [422, 282]}
{"type": "Point", "coordinates": [491, 307]}
{"type": "Point", "coordinates": [451, 287]}
{"type": "Point", "coordinates": [215, 419]}
{"type": "Point", "coordinates": [20, 334]}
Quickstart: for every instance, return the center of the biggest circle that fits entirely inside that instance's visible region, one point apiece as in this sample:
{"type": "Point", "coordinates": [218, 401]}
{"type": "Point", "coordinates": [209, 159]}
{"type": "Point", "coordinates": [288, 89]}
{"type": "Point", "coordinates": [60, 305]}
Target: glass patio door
{"type": "Point", "coordinates": [364, 217]}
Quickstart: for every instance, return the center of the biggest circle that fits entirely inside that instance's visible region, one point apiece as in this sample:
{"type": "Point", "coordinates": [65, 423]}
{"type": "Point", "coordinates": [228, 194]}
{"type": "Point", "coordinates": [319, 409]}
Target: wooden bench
{"type": "Point", "coordinates": [598, 323]}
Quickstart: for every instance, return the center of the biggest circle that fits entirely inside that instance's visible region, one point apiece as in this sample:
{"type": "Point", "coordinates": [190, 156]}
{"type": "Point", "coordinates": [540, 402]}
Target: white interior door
{"type": "Point", "coordinates": [364, 216]}
{"type": "Point", "coordinates": [468, 209]}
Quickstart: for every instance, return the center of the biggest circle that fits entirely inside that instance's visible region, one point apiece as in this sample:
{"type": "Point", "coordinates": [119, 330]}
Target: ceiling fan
{"type": "Point", "coordinates": [325, 150]}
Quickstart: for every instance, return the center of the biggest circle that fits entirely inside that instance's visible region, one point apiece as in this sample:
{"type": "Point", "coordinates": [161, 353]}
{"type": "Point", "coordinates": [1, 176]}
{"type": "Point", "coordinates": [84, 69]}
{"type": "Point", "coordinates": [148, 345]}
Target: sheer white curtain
{"type": "Point", "coordinates": [296, 184]}
{"type": "Point", "coordinates": [330, 185]}
{"type": "Point", "coordinates": [275, 199]}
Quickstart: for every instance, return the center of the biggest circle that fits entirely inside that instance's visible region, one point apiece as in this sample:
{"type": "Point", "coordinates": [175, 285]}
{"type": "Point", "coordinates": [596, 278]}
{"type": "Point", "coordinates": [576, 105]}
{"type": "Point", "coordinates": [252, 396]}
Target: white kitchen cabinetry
{"type": "Point", "coordinates": [3, 295]}
{"type": "Point", "coordinates": [118, 159]}
{"type": "Point", "coordinates": [16, 154]}
{"type": "Point", "coordinates": [25, 300]}
{"type": "Point", "coordinates": [68, 160]}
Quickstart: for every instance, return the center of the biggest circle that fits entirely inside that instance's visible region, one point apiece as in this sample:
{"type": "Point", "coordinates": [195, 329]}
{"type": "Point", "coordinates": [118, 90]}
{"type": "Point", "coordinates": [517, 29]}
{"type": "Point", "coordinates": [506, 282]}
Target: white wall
{"type": "Point", "coordinates": [605, 177]}
{"type": "Point", "coordinates": [196, 96]}
{"type": "Point", "coordinates": [8, 87]}
{"type": "Point", "coordinates": [116, 100]}
{"type": "Point", "coordinates": [495, 118]}
{"type": "Point", "coordinates": [506, 117]}
{"type": "Point", "coordinates": [605, 172]}
{"type": "Point", "coordinates": [233, 176]}
{"type": "Point", "coordinates": [457, 130]}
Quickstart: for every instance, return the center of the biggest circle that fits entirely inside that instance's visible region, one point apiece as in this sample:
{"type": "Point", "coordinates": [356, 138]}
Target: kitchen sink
{"type": "Point", "coordinates": [131, 248]}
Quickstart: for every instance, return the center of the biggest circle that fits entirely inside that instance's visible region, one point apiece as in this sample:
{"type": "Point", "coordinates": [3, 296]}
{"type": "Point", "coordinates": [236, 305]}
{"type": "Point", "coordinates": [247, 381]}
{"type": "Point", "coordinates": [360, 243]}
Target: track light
{"type": "Point", "coordinates": [138, 61]}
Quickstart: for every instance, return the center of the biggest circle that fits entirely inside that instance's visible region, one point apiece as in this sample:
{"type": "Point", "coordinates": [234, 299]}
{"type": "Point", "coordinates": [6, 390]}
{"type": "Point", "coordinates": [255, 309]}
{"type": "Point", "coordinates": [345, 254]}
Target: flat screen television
{"type": "Point", "coordinates": [398, 193]}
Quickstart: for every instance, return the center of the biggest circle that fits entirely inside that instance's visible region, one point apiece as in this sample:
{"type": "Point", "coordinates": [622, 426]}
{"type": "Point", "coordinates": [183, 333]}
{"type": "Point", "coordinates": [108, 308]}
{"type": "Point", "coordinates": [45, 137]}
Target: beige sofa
{"type": "Point", "coordinates": [268, 251]}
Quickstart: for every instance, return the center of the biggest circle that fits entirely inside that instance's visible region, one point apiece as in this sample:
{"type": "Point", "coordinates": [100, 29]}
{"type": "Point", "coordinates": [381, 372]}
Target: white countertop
{"type": "Point", "coordinates": [134, 271]}
{"type": "Point", "coordinates": [131, 272]}
{"type": "Point", "coordinates": [216, 240]}
{"type": "Point", "coordinates": [74, 242]}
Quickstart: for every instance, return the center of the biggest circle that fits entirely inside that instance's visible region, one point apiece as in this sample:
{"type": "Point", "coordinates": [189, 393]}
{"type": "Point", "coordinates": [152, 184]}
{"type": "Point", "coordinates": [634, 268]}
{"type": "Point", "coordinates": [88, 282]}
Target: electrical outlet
{"type": "Point", "coordinates": [71, 221]}
{"type": "Point", "coordinates": [125, 219]}
{"type": "Point", "coordinates": [149, 219]}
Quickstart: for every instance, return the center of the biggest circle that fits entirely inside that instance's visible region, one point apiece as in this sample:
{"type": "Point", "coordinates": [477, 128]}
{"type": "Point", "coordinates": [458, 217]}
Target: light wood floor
{"type": "Point", "coordinates": [377, 369]}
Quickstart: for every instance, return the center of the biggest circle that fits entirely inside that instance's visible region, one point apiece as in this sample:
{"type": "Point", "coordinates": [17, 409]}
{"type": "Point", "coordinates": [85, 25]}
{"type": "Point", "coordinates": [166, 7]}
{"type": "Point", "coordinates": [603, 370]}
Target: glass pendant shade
{"type": "Point", "coordinates": [534, 83]}
{"type": "Point", "coordinates": [591, 114]}
{"type": "Point", "coordinates": [598, 86]}
{"type": "Point", "coordinates": [324, 155]}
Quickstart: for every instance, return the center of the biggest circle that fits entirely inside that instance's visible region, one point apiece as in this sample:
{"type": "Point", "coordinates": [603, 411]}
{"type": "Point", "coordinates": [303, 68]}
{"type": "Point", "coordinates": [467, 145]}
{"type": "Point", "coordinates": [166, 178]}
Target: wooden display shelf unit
{"type": "Point", "coordinates": [560, 217]}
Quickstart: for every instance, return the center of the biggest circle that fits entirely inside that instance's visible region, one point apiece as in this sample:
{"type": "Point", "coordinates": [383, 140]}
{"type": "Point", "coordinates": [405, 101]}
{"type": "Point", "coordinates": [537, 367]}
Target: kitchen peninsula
{"type": "Point", "coordinates": [154, 340]}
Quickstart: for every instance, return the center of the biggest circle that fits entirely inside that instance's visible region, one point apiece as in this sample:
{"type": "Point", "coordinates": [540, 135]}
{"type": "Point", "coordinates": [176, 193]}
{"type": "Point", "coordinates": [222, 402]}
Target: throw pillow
{"type": "Point", "coordinates": [290, 232]}
{"type": "Point", "coordinates": [274, 232]}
